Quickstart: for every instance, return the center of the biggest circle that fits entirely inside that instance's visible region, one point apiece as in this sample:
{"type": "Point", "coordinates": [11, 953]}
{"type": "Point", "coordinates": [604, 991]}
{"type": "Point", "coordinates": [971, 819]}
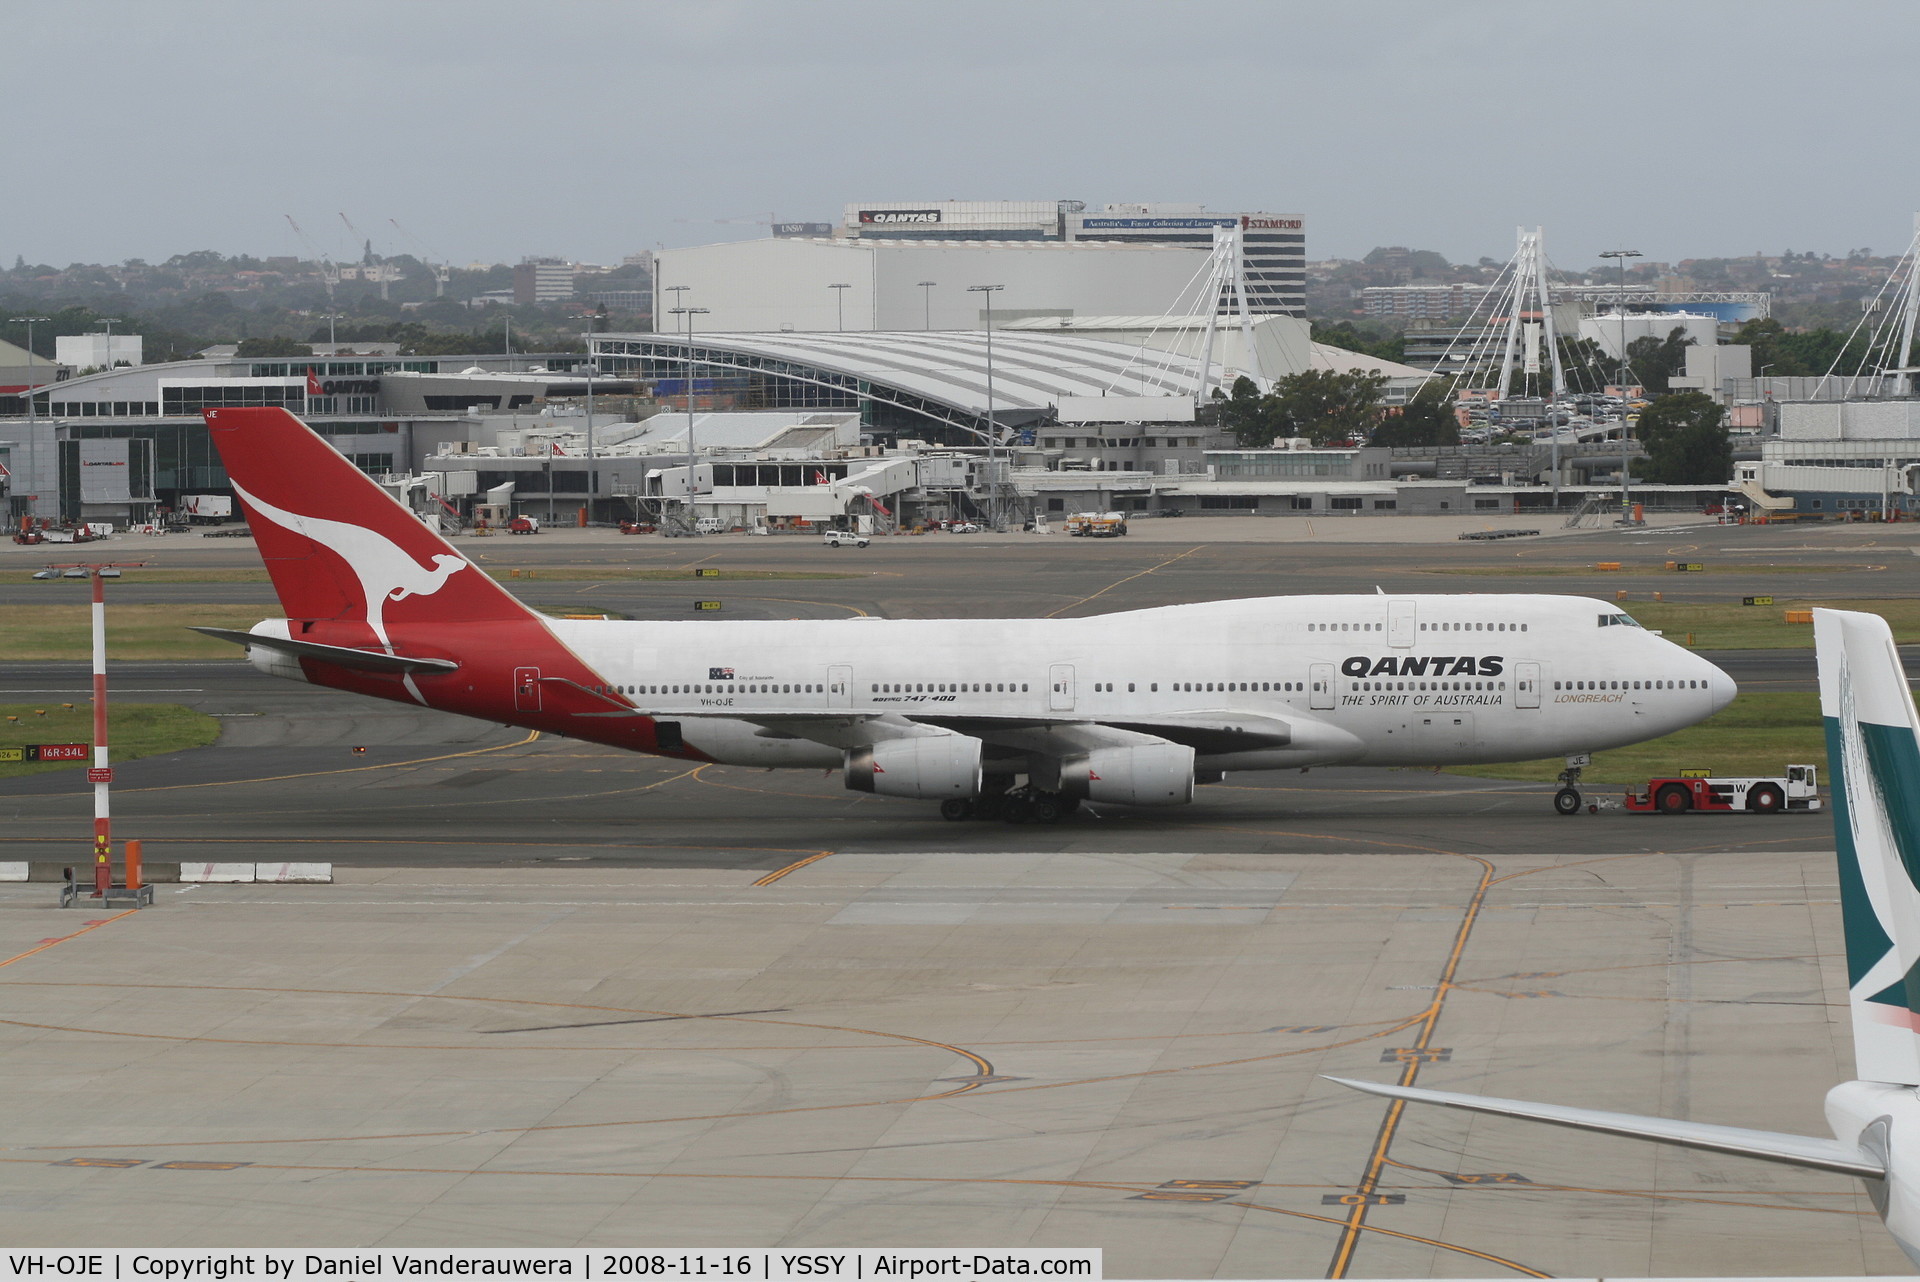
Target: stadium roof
{"type": "Point", "coordinates": [947, 368]}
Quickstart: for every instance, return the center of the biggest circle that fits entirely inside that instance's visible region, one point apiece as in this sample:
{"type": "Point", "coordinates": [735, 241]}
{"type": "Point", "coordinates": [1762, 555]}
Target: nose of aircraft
{"type": "Point", "coordinates": [1720, 687]}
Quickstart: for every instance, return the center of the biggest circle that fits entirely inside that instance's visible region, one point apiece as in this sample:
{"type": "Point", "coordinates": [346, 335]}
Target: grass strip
{"type": "Point", "coordinates": [1731, 626]}
{"type": "Point", "coordinates": [134, 730]}
{"type": "Point", "coordinates": [1756, 734]}
{"type": "Point", "coordinates": [134, 632]}
{"type": "Point", "coordinates": [1563, 571]}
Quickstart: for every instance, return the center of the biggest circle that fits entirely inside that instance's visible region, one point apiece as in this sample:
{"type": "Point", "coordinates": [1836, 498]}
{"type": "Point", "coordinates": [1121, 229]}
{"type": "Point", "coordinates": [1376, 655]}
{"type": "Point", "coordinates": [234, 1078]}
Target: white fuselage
{"type": "Point", "coordinates": [1366, 680]}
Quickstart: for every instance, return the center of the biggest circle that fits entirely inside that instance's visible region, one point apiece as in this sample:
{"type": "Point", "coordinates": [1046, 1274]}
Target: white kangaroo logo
{"type": "Point", "coordinates": [385, 570]}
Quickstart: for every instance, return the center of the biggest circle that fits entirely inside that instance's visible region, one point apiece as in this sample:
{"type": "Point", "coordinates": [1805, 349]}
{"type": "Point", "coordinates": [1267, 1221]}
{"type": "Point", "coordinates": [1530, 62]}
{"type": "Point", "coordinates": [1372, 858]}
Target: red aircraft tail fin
{"type": "Point", "coordinates": [368, 559]}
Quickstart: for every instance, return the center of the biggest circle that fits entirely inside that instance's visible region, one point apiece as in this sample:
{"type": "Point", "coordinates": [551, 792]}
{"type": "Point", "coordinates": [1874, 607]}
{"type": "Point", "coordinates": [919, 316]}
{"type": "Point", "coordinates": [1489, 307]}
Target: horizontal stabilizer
{"type": "Point", "coordinates": [1768, 1146]}
{"type": "Point", "coordinates": [342, 655]}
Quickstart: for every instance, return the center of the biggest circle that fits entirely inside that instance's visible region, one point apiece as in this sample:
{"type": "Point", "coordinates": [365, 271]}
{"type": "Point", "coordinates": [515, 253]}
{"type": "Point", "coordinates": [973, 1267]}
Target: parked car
{"type": "Point", "coordinates": [843, 538]}
{"type": "Point", "coordinates": [962, 527]}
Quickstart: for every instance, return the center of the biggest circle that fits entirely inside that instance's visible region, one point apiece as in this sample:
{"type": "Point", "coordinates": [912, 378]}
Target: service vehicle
{"type": "Point", "coordinates": [710, 525]}
{"type": "Point", "coordinates": [1107, 525]}
{"type": "Point", "coordinates": [198, 508]}
{"type": "Point", "coordinates": [1798, 789]}
{"type": "Point", "coordinates": [524, 525]}
{"type": "Point", "coordinates": [843, 538]}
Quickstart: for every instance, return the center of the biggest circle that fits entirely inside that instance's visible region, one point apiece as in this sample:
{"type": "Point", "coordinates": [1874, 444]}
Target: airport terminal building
{"type": "Point", "coordinates": [893, 265]}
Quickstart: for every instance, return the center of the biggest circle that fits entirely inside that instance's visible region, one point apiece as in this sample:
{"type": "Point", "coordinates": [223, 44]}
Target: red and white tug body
{"type": "Point", "coordinates": [1798, 789]}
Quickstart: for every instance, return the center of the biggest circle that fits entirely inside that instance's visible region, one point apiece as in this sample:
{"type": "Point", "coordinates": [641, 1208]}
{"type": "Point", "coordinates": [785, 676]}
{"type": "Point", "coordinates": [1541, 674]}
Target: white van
{"type": "Point", "coordinates": [710, 525]}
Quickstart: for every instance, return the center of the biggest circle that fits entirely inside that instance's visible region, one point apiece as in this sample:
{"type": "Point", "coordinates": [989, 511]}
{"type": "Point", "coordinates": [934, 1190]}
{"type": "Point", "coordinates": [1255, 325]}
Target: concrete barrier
{"type": "Point", "coordinates": [156, 873]}
{"type": "Point", "coordinates": [216, 872]}
{"type": "Point", "coordinates": [293, 872]}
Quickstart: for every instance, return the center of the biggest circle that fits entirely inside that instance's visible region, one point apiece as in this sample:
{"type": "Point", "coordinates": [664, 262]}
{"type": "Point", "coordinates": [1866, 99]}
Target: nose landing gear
{"type": "Point", "coordinates": [1567, 800]}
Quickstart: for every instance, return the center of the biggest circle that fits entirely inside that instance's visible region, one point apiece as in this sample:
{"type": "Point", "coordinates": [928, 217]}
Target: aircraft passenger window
{"type": "Point", "coordinates": [1154, 688]}
{"type": "Point", "coordinates": [1523, 627]}
{"type": "Point", "coordinates": [1023, 687]}
{"type": "Point", "coordinates": [1129, 687]}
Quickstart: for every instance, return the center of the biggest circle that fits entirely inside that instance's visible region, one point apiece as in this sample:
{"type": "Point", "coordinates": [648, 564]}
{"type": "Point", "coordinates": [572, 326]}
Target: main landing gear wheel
{"type": "Point", "coordinates": [1567, 801]}
{"type": "Point", "coordinates": [1673, 800]}
{"type": "Point", "coordinates": [955, 809]}
{"type": "Point", "coordinates": [1044, 808]}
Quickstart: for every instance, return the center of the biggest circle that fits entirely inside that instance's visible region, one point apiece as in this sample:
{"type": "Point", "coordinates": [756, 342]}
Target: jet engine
{"type": "Point", "coordinates": [1154, 774]}
{"type": "Point", "coordinates": [932, 768]}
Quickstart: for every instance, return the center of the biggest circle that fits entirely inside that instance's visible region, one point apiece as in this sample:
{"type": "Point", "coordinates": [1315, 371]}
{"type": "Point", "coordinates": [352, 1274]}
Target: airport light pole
{"type": "Point", "coordinates": [926, 301]}
{"type": "Point", "coordinates": [1620, 305]}
{"type": "Point", "coordinates": [993, 435]}
{"type": "Point", "coordinates": [679, 293]}
{"type": "Point", "coordinates": [506, 322]}
{"type": "Point", "coordinates": [33, 431]}
{"type": "Point", "coordinates": [840, 302]}
{"type": "Point", "coordinates": [332, 342]}
{"type": "Point", "coordinates": [593, 486]}
{"type": "Point", "coordinates": [693, 458]}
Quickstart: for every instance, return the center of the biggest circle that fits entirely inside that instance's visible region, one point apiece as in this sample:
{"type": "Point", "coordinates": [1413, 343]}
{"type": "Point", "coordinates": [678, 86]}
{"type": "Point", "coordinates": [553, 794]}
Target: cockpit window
{"type": "Point", "coordinates": [1617, 621]}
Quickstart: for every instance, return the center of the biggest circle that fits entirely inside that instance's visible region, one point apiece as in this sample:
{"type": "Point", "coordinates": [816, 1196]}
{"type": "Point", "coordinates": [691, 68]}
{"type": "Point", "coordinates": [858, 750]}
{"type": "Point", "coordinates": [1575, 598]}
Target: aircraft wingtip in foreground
{"type": "Point", "coordinates": [1873, 754]}
{"type": "Point", "coordinates": [1020, 719]}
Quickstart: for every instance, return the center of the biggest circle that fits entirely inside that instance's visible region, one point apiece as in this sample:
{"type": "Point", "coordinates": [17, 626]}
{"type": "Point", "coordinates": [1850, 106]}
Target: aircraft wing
{"type": "Point", "coordinates": [1054, 734]}
{"type": "Point", "coordinates": [1768, 1146]}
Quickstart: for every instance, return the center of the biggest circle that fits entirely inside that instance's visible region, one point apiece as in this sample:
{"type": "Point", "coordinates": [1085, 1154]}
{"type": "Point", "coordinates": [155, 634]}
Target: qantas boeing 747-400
{"type": "Point", "coordinates": [996, 718]}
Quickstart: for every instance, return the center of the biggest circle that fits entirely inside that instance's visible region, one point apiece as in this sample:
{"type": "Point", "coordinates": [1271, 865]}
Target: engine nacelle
{"type": "Point", "coordinates": [1156, 774]}
{"type": "Point", "coordinates": [933, 768]}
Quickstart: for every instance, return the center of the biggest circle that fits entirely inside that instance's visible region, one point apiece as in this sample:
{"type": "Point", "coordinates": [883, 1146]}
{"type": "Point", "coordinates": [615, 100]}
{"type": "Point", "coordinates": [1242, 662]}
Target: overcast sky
{"type": "Point", "coordinates": [490, 129]}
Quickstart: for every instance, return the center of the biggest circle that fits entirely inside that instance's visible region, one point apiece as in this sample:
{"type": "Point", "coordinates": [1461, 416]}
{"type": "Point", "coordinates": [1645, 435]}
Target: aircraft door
{"type": "Point", "coordinates": [1402, 622]}
{"type": "Point", "coordinates": [526, 689]}
{"type": "Point", "coordinates": [1526, 685]}
{"type": "Point", "coordinates": [840, 686]}
{"type": "Point", "coordinates": [1320, 685]}
{"type": "Point", "coordinates": [1060, 692]}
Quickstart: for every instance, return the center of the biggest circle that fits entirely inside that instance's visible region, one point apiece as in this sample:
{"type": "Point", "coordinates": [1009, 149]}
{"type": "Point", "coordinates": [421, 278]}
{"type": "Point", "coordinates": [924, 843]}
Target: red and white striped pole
{"type": "Point", "coordinates": [102, 773]}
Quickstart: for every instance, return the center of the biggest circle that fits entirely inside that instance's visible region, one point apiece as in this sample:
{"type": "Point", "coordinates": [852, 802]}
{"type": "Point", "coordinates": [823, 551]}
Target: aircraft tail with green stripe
{"type": "Point", "coordinates": [1873, 750]}
{"type": "Point", "coordinates": [1873, 764]}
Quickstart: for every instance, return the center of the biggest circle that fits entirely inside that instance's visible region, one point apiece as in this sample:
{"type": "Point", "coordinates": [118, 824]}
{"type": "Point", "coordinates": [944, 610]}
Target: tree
{"type": "Point", "coordinates": [1325, 405]}
{"type": "Point", "coordinates": [263, 348]}
{"type": "Point", "coordinates": [1427, 419]}
{"type": "Point", "coordinates": [1367, 338]}
{"type": "Point", "coordinates": [1245, 414]}
{"type": "Point", "coordinates": [1652, 362]}
{"type": "Point", "coordinates": [1686, 438]}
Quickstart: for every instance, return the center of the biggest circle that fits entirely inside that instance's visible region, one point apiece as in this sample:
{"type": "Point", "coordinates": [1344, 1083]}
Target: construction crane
{"type": "Point", "coordinates": [329, 274]}
{"type": "Point", "coordinates": [379, 265]}
{"type": "Point", "coordinates": [441, 270]}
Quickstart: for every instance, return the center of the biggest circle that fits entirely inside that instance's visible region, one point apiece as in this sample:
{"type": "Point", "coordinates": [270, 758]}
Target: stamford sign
{"type": "Point", "coordinates": [899, 216]}
{"type": "Point", "coordinates": [1444, 665]}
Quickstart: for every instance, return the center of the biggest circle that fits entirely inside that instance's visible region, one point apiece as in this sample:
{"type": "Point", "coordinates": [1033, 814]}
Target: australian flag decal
{"type": "Point", "coordinates": [719, 674]}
